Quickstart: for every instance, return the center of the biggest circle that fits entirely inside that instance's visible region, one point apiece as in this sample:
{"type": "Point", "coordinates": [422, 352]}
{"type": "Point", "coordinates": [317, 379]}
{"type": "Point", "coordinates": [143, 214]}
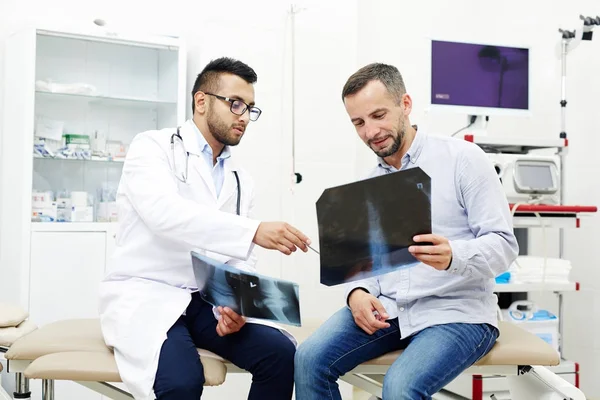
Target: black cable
{"type": "Point", "coordinates": [473, 118]}
{"type": "Point", "coordinates": [490, 149]}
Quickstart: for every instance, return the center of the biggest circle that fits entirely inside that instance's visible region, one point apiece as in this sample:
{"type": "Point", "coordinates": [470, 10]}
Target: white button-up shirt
{"type": "Point", "coordinates": [470, 209]}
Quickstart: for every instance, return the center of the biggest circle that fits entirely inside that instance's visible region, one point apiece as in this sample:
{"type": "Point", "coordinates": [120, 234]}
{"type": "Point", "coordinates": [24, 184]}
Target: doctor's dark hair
{"type": "Point", "coordinates": [386, 74]}
{"type": "Point", "coordinates": [208, 79]}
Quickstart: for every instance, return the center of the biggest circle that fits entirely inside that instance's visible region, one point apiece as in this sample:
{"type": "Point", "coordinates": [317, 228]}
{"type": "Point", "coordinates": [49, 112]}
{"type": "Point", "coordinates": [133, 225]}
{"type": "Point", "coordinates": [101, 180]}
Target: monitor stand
{"type": "Point", "coordinates": [479, 126]}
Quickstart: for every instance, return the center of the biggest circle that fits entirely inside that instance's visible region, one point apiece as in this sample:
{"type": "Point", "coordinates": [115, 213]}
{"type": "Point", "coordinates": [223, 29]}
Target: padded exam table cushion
{"type": "Point", "coordinates": [10, 335]}
{"type": "Point", "coordinates": [82, 335]}
{"type": "Point", "coordinates": [515, 346]}
{"type": "Point", "coordinates": [75, 350]}
{"type": "Point", "coordinates": [11, 315]}
{"type": "Point", "coordinates": [101, 367]}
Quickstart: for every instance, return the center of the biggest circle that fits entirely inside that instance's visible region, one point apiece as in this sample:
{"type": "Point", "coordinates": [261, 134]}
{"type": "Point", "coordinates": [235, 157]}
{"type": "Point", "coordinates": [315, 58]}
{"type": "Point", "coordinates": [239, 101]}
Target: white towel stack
{"type": "Point", "coordinates": [530, 269]}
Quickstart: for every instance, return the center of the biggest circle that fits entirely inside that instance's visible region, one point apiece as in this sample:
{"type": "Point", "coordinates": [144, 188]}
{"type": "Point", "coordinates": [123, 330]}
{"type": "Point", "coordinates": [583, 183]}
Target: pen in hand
{"type": "Point", "coordinates": [312, 248]}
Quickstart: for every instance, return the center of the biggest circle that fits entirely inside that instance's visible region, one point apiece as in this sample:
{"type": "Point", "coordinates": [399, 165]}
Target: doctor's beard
{"type": "Point", "coordinates": [221, 131]}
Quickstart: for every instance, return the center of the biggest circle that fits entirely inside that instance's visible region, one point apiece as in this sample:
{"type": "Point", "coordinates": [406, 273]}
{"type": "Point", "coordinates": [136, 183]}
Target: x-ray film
{"type": "Point", "coordinates": [248, 294]}
{"type": "Point", "coordinates": [366, 227]}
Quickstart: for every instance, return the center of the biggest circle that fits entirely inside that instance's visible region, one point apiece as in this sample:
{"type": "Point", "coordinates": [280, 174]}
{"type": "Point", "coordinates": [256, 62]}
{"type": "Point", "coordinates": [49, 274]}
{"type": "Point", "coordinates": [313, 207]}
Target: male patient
{"type": "Point", "coordinates": [442, 312]}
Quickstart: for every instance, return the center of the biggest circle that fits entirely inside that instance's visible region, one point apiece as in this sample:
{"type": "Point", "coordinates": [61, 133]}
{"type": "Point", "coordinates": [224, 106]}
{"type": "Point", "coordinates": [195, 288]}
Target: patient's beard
{"type": "Point", "coordinates": [398, 138]}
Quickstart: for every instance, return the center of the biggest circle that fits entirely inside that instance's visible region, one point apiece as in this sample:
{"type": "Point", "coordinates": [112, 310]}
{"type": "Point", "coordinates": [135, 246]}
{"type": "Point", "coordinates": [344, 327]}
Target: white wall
{"type": "Point", "coordinates": [333, 40]}
{"type": "Point", "coordinates": [396, 32]}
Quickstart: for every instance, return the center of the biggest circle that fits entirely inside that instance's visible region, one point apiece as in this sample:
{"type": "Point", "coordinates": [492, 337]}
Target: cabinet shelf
{"type": "Point", "coordinates": [536, 287]}
{"type": "Point", "coordinates": [562, 221]}
{"type": "Point", "coordinates": [518, 145]}
{"type": "Point", "coordinates": [73, 226]}
{"type": "Point", "coordinates": [551, 216]}
{"type": "Point", "coordinates": [110, 161]}
{"type": "Point", "coordinates": [103, 100]}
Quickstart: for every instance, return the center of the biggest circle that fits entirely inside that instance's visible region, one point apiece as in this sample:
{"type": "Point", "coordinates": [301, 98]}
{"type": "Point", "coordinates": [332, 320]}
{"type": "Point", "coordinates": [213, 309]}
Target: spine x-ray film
{"type": "Point", "coordinates": [366, 227]}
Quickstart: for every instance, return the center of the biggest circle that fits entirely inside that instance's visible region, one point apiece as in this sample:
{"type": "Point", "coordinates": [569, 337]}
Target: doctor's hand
{"type": "Point", "coordinates": [280, 236]}
{"type": "Point", "coordinates": [438, 255]}
{"type": "Point", "coordinates": [229, 321]}
{"type": "Point", "coordinates": [368, 312]}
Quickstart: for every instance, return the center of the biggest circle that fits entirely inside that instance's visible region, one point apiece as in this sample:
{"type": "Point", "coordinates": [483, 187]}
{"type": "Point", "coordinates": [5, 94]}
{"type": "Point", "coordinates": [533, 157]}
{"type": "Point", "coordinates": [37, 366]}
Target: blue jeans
{"type": "Point", "coordinates": [431, 359]}
{"type": "Point", "coordinates": [263, 351]}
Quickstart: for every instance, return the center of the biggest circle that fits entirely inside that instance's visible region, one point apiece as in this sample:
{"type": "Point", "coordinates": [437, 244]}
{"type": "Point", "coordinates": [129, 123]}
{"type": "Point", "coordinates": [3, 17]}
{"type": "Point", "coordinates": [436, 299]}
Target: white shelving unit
{"type": "Point", "coordinates": [524, 217]}
{"type": "Point", "coordinates": [88, 83]}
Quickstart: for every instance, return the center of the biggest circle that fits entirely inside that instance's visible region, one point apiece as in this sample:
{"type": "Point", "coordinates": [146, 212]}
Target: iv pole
{"type": "Point", "coordinates": [570, 40]}
{"type": "Point", "coordinates": [294, 9]}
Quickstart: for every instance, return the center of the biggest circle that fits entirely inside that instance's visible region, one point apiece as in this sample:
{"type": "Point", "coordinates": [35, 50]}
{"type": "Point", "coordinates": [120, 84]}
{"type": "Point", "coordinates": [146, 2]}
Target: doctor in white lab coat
{"type": "Point", "coordinates": [178, 193]}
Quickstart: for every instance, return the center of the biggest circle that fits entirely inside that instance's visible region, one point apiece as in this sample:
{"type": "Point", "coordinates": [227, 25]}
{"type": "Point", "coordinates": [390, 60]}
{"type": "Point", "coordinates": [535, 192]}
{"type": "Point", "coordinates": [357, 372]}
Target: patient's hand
{"type": "Point", "coordinates": [363, 305]}
{"type": "Point", "coordinates": [229, 321]}
{"type": "Point", "coordinates": [437, 255]}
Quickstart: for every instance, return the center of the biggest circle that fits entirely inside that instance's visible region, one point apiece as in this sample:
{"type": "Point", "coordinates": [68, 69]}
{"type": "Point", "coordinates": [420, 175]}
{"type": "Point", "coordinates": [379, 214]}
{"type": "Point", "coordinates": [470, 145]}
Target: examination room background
{"type": "Point", "coordinates": [333, 39]}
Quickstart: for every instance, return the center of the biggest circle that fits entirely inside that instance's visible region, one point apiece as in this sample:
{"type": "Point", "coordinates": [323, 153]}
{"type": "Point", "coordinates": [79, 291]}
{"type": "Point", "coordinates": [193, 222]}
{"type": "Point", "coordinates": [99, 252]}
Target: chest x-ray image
{"type": "Point", "coordinates": [366, 227]}
{"type": "Point", "coordinates": [248, 294]}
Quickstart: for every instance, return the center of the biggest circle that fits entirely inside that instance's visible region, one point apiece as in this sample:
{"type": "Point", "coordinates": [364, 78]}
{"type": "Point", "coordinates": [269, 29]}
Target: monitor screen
{"type": "Point", "coordinates": [536, 176]}
{"type": "Point", "coordinates": [479, 75]}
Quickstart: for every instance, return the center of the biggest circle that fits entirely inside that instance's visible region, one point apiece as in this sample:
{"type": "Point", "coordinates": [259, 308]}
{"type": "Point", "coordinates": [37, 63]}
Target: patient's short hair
{"type": "Point", "coordinates": [386, 74]}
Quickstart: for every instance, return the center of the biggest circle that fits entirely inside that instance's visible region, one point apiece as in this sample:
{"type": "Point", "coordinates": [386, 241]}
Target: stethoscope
{"type": "Point", "coordinates": [183, 178]}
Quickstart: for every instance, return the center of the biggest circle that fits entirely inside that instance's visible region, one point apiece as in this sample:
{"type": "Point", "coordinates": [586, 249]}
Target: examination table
{"type": "Point", "coordinates": [74, 350]}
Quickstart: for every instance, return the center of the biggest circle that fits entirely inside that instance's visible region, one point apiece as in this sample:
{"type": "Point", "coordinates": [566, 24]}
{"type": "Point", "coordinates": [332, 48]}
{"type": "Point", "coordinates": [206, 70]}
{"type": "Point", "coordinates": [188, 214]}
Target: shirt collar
{"type": "Point", "coordinates": [205, 147]}
{"type": "Point", "coordinates": [413, 153]}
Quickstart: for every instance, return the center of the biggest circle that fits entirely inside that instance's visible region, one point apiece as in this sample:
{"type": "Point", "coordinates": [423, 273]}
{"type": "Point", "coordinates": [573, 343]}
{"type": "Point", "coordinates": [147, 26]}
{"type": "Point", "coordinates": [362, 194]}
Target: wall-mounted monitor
{"type": "Point", "coordinates": [480, 79]}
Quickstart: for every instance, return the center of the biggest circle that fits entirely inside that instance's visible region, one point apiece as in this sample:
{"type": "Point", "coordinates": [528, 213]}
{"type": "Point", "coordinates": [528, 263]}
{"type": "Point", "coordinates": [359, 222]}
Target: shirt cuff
{"type": "Point", "coordinates": [366, 286]}
{"type": "Point", "coordinates": [458, 265]}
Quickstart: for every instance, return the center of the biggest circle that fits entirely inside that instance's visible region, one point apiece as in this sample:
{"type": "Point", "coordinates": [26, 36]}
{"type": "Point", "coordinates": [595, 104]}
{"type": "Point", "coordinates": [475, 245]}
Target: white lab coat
{"type": "Point", "coordinates": [161, 220]}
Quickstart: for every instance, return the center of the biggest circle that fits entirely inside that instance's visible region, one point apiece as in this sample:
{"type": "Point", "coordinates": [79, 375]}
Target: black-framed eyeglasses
{"type": "Point", "coordinates": [238, 107]}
